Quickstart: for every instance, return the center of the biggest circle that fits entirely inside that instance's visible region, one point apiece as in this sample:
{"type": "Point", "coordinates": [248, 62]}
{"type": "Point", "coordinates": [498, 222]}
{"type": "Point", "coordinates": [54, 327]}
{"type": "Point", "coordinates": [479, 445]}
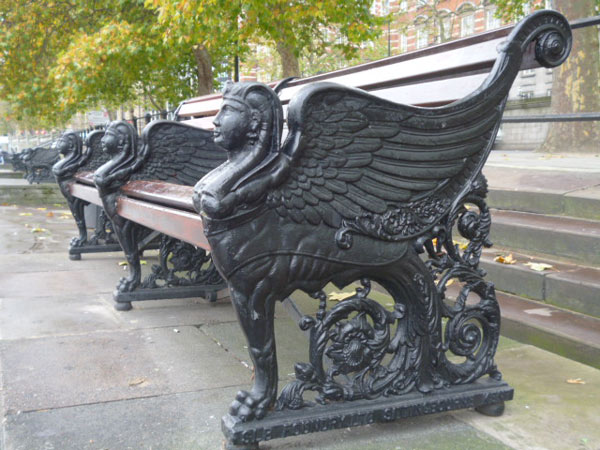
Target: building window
{"type": "Point", "coordinates": [491, 21]}
{"type": "Point", "coordinates": [525, 92]}
{"type": "Point", "coordinates": [527, 73]}
{"type": "Point", "coordinates": [467, 25]}
{"type": "Point", "coordinates": [548, 92]}
{"type": "Point", "coordinates": [422, 37]}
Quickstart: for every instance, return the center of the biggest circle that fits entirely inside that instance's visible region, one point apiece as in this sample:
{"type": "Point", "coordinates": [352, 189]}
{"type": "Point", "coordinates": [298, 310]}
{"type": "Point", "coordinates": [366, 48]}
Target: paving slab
{"type": "Point", "coordinates": [59, 261]}
{"type": "Point", "coordinates": [65, 371]}
{"type": "Point", "coordinates": [68, 282]}
{"type": "Point", "coordinates": [177, 312]}
{"type": "Point", "coordinates": [192, 421]}
{"type": "Point", "coordinates": [547, 412]}
{"type": "Point", "coordinates": [27, 318]}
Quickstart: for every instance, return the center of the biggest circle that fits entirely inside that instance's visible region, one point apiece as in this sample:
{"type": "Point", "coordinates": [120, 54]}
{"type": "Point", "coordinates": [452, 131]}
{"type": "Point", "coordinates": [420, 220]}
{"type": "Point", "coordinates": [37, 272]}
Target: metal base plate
{"type": "Point", "coordinates": [207, 292]}
{"type": "Point", "coordinates": [279, 424]}
{"type": "Point", "coordinates": [95, 249]}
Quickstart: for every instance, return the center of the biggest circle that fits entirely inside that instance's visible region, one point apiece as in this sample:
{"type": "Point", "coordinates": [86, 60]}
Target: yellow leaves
{"type": "Point", "coordinates": [38, 230]}
{"type": "Point", "coordinates": [339, 296]}
{"type": "Point", "coordinates": [25, 214]}
{"type": "Point", "coordinates": [49, 214]}
{"type": "Point", "coordinates": [505, 259]}
{"type": "Point", "coordinates": [122, 263]}
{"type": "Point", "coordinates": [575, 381]}
{"type": "Point", "coordinates": [538, 267]}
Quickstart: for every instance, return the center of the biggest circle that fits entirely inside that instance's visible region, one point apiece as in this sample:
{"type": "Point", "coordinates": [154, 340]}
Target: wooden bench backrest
{"type": "Point", "coordinates": [434, 76]}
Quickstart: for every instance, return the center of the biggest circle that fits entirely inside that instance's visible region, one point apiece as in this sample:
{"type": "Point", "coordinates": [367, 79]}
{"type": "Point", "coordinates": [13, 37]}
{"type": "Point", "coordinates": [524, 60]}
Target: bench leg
{"type": "Point", "coordinates": [492, 410]}
{"type": "Point", "coordinates": [77, 207]}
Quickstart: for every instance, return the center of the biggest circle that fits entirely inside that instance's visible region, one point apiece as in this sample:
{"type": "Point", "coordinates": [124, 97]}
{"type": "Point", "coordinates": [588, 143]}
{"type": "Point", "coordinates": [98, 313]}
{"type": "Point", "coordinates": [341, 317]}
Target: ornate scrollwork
{"type": "Point", "coordinates": [355, 335]}
{"type": "Point", "coordinates": [177, 258]}
{"type": "Point", "coordinates": [472, 330]}
{"type": "Point", "coordinates": [395, 224]}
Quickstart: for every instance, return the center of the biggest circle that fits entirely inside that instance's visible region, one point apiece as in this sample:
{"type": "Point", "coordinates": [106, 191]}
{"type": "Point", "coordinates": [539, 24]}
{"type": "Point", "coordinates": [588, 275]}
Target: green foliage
{"type": "Point", "coordinates": [61, 57]}
{"type": "Point", "coordinates": [227, 27]}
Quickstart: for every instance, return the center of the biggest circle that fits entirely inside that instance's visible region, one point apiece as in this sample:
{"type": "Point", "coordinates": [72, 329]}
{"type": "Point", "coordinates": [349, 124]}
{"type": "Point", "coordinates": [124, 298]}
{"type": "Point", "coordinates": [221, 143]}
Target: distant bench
{"type": "Point", "coordinates": [358, 188]}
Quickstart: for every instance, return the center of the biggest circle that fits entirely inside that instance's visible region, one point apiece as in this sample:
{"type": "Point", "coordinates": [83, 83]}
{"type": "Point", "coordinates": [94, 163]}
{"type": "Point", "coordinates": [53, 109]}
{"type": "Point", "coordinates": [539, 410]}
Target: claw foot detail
{"type": "Point", "coordinates": [127, 285]}
{"type": "Point", "coordinates": [78, 242]}
{"type": "Point", "coordinates": [246, 407]}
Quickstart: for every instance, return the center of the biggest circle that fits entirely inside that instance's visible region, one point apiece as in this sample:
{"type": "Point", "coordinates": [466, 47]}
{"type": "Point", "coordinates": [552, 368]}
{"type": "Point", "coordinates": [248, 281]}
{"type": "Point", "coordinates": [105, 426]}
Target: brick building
{"type": "Point", "coordinates": [416, 24]}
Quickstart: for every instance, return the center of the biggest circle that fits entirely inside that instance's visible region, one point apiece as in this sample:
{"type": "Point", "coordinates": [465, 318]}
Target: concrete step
{"type": "Point", "coordinates": [20, 192]}
{"type": "Point", "coordinates": [568, 334]}
{"type": "Point", "coordinates": [576, 240]}
{"type": "Point", "coordinates": [565, 185]}
{"type": "Point", "coordinates": [10, 174]}
{"type": "Point", "coordinates": [568, 286]}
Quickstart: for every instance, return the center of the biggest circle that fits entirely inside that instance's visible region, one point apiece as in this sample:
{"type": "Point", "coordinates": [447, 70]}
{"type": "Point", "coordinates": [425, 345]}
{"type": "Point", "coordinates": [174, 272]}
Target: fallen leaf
{"type": "Point", "coordinates": [143, 262]}
{"type": "Point", "coordinates": [49, 214]}
{"type": "Point", "coordinates": [450, 281]}
{"type": "Point", "coordinates": [575, 381]}
{"type": "Point", "coordinates": [505, 259]}
{"type": "Point", "coordinates": [434, 242]}
{"type": "Point", "coordinates": [538, 267]}
{"type": "Point", "coordinates": [58, 205]}
{"type": "Point", "coordinates": [339, 296]}
{"type": "Point", "coordinates": [4, 204]}
{"type": "Point", "coordinates": [41, 209]}
{"type": "Point", "coordinates": [26, 214]}
{"type": "Point", "coordinates": [38, 230]}
{"type": "Point", "coordinates": [122, 263]}
{"type": "Point", "coordinates": [137, 381]}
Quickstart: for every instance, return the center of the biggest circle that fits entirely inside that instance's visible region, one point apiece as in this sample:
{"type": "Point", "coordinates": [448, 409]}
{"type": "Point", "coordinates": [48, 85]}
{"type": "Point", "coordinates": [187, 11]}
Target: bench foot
{"type": "Point", "coordinates": [75, 256]}
{"type": "Point", "coordinates": [230, 446]}
{"type": "Point", "coordinates": [123, 306]}
{"type": "Point", "coordinates": [492, 409]}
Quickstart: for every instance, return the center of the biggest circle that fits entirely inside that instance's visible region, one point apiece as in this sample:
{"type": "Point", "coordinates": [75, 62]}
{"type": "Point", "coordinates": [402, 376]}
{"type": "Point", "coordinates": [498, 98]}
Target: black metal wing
{"type": "Point", "coordinates": [359, 163]}
{"type": "Point", "coordinates": [177, 153]}
{"type": "Point", "coordinates": [97, 156]}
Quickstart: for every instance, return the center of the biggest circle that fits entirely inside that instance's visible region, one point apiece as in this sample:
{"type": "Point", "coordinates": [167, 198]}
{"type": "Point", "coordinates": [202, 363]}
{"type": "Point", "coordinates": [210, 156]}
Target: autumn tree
{"type": "Point", "coordinates": [291, 27]}
{"type": "Point", "coordinates": [60, 57]}
{"type": "Point", "coordinates": [576, 84]}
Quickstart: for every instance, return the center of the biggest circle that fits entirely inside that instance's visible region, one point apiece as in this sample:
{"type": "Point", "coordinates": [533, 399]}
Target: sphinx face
{"type": "Point", "coordinates": [231, 126]}
{"type": "Point", "coordinates": [63, 147]}
{"type": "Point", "coordinates": [110, 143]}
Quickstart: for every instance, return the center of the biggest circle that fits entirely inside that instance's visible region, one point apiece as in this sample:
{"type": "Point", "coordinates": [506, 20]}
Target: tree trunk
{"type": "Point", "coordinates": [290, 66]}
{"type": "Point", "coordinates": [204, 70]}
{"type": "Point", "coordinates": [576, 88]}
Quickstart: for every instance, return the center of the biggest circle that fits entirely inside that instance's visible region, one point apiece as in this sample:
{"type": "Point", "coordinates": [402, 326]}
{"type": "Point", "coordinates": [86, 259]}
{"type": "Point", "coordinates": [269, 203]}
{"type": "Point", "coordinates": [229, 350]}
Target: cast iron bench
{"type": "Point", "coordinates": [359, 188]}
{"type": "Point", "coordinates": [79, 158]}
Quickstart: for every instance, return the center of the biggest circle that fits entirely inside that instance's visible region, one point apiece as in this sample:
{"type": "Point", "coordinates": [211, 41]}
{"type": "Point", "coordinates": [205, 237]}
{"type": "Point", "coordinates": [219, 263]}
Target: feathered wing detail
{"type": "Point", "coordinates": [384, 169]}
{"type": "Point", "coordinates": [177, 153]}
{"type": "Point", "coordinates": [97, 156]}
{"type": "Point", "coordinates": [362, 164]}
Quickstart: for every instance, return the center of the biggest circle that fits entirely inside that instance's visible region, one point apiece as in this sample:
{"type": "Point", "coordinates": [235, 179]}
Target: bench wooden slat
{"type": "Point", "coordinates": [161, 193]}
{"type": "Point", "coordinates": [183, 225]}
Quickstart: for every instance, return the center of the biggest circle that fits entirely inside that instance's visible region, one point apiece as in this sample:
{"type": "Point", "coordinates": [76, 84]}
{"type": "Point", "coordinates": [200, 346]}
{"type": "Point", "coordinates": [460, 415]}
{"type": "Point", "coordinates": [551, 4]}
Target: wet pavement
{"type": "Point", "coordinates": [76, 374]}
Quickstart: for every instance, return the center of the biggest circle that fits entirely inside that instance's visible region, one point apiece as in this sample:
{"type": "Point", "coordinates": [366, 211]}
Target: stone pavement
{"type": "Point", "coordinates": [76, 374]}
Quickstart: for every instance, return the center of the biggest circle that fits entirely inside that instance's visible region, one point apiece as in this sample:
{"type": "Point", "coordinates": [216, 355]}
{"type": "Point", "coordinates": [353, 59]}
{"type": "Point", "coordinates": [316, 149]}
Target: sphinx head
{"type": "Point", "coordinates": [251, 114]}
{"type": "Point", "coordinates": [69, 143]}
{"type": "Point", "coordinates": [120, 136]}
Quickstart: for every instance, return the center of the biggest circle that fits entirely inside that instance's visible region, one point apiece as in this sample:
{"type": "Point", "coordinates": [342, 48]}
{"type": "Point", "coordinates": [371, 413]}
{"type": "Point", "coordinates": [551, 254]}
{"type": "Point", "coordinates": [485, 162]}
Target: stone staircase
{"type": "Point", "coordinates": [547, 211]}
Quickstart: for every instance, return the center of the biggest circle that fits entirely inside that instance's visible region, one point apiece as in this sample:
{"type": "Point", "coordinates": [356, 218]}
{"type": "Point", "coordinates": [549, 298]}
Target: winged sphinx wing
{"type": "Point", "coordinates": [96, 157]}
{"type": "Point", "coordinates": [177, 153]}
{"type": "Point", "coordinates": [386, 169]}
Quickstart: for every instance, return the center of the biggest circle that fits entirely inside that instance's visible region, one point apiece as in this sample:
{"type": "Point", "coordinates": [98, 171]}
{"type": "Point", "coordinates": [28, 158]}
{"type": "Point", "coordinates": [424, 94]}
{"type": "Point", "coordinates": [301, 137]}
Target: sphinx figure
{"type": "Point", "coordinates": [70, 146]}
{"type": "Point", "coordinates": [169, 151]}
{"type": "Point", "coordinates": [360, 186]}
